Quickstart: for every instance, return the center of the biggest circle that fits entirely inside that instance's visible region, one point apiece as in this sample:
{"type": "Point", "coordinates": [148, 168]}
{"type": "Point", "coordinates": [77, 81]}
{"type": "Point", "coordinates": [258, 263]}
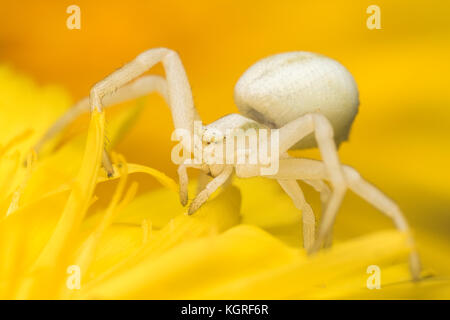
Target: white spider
{"type": "Point", "coordinates": [312, 99]}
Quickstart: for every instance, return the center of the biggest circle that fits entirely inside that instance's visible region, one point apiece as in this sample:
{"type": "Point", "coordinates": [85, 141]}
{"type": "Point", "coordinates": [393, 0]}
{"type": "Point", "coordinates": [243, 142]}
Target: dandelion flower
{"type": "Point", "coordinates": [143, 245]}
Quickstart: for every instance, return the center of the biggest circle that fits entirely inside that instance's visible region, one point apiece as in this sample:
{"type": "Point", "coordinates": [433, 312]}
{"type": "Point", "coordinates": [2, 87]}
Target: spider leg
{"type": "Point", "coordinates": [307, 169]}
{"type": "Point", "coordinates": [294, 191]}
{"type": "Point", "coordinates": [380, 201]}
{"type": "Point", "coordinates": [138, 88]}
{"type": "Point", "coordinates": [296, 130]}
{"type": "Point", "coordinates": [212, 186]}
{"type": "Point", "coordinates": [325, 193]}
{"type": "Point", "coordinates": [183, 179]}
{"type": "Point", "coordinates": [178, 88]}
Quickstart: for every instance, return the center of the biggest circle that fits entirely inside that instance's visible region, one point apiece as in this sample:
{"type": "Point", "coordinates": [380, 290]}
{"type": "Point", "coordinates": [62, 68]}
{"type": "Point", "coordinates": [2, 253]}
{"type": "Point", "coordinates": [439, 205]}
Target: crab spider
{"type": "Point", "coordinates": [310, 98]}
{"type": "Point", "coordinates": [312, 172]}
{"type": "Point", "coordinates": [313, 100]}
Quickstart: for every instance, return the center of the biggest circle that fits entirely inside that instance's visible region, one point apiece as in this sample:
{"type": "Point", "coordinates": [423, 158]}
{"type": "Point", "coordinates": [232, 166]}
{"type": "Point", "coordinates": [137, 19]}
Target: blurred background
{"type": "Point", "coordinates": [401, 137]}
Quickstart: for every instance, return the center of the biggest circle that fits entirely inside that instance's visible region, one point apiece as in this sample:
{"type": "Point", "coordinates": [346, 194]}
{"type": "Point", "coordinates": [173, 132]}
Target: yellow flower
{"type": "Point", "coordinates": [61, 224]}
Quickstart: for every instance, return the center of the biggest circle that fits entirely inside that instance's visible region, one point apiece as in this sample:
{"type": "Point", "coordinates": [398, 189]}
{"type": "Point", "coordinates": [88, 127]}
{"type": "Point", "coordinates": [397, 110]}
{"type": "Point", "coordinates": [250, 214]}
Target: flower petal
{"type": "Point", "coordinates": [248, 263]}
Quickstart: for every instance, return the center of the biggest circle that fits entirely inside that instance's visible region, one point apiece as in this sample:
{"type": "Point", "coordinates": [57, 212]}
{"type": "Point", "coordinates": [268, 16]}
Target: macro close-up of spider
{"type": "Point", "coordinates": [305, 95]}
{"type": "Point", "coordinates": [225, 155]}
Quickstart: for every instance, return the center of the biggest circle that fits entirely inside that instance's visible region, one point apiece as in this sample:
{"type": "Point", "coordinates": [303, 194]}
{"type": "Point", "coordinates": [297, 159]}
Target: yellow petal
{"type": "Point", "coordinates": [56, 171]}
{"type": "Point", "coordinates": [53, 253]}
{"type": "Point", "coordinates": [215, 216]}
{"type": "Point", "coordinates": [23, 104]}
{"type": "Point", "coordinates": [247, 263]}
{"type": "Point", "coordinates": [23, 236]}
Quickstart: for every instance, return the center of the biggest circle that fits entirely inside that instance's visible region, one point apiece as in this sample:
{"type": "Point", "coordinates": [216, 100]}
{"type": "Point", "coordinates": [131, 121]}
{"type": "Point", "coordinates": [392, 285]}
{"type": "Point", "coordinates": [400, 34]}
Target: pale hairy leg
{"type": "Point", "coordinates": [296, 130]}
{"type": "Point", "coordinates": [325, 193]}
{"type": "Point", "coordinates": [379, 200]}
{"type": "Point", "coordinates": [178, 88]}
{"type": "Point", "coordinates": [141, 87]}
{"type": "Point", "coordinates": [316, 170]}
{"type": "Point", "coordinates": [212, 186]}
{"type": "Point", "coordinates": [184, 179]}
{"type": "Point", "coordinates": [294, 191]}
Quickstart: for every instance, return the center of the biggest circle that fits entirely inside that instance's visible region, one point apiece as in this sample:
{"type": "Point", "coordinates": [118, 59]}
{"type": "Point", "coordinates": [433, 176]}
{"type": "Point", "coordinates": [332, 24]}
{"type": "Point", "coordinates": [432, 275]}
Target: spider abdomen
{"type": "Point", "coordinates": [283, 87]}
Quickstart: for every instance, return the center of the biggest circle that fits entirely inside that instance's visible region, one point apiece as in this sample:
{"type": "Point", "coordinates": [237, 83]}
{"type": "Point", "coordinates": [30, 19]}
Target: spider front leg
{"type": "Point", "coordinates": [210, 188]}
{"type": "Point", "coordinates": [141, 87]}
{"type": "Point", "coordinates": [298, 129]}
{"type": "Point", "coordinates": [184, 179]}
{"type": "Point", "coordinates": [178, 88]}
{"type": "Point", "coordinates": [183, 182]}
